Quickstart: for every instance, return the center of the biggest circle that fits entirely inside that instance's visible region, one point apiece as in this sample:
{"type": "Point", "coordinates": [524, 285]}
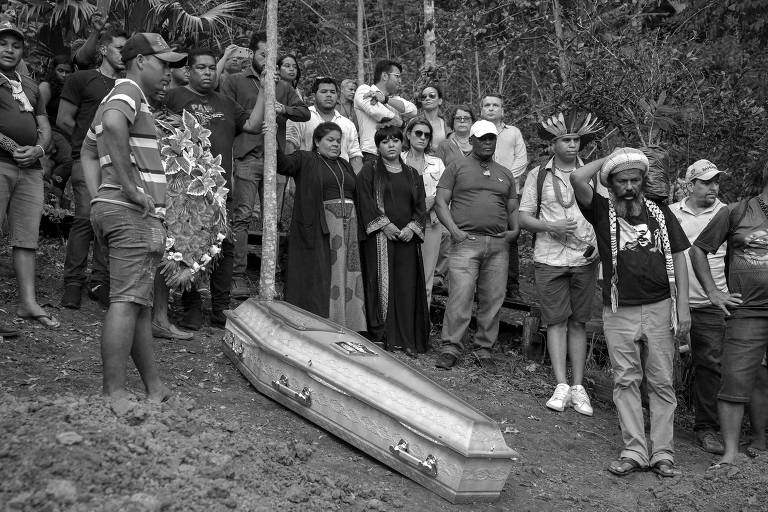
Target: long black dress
{"type": "Point", "coordinates": [395, 295]}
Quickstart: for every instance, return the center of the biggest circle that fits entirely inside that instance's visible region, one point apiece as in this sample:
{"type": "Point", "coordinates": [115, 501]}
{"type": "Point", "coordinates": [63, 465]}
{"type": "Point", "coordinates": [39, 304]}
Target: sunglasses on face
{"type": "Point", "coordinates": [420, 134]}
{"type": "Point", "coordinates": [429, 96]}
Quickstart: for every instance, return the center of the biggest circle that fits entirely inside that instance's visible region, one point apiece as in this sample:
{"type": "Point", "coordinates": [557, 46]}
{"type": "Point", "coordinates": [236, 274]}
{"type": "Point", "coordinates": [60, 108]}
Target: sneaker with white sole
{"type": "Point", "coordinates": [560, 398]}
{"type": "Point", "coordinates": [580, 400]}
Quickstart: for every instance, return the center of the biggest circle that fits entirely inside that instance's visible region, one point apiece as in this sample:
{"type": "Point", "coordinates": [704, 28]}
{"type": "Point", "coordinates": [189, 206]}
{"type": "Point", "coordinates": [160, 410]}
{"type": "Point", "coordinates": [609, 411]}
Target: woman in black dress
{"type": "Point", "coordinates": [323, 274]}
{"type": "Point", "coordinates": [390, 196]}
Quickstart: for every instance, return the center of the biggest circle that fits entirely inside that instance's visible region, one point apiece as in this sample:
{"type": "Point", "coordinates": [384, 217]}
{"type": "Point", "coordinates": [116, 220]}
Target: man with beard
{"type": "Point", "coordinates": [80, 97]}
{"type": "Point", "coordinates": [128, 209]}
{"type": "Point", "coordinates": [346, 105]}
{"type": "Point", "coordinates": [645, 298]}
{"type": "Point", "coordinates": [378, 105]}
{"type": "Point", "coordinates": [299, 135]}
{"type": "Point", "coordinates": [24, 123]}
{"type": "Point", "coordinates": [248, 179]}
{"type": "Point", "coordinates": [226, 119]}
{"type": "Point", "coordinates": [477, 203]}
{"type": "Point", "coordinates": [707, 321]}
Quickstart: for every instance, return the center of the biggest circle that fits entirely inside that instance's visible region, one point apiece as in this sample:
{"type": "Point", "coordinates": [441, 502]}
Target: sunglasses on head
{"type": "Point", "coordinates": [429, 96]}
{"type": "Point", "coordinates": [421, 133]}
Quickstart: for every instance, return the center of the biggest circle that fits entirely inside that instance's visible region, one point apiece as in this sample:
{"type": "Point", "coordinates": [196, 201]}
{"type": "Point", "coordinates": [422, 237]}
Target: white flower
{"type": "Point", "coordinates": [177, 256]}
{"type": "Point", "coordinates": [169, 241]}
{"type": "Point", "coordinates": [170, 257]}
{"type": "Point", "coordinates": [220, 237]}
{"type": "Point", "coordinates": [205, 259]}
{"type": "Point", "coordinates": [195, 266]}
{"type": "Point", "coordinates": [215, 249]}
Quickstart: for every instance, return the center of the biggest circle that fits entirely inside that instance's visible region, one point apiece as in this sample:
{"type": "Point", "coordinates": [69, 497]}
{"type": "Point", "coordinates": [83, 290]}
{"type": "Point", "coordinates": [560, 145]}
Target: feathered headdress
{"type": "Point", "coordinates": [570, 124]}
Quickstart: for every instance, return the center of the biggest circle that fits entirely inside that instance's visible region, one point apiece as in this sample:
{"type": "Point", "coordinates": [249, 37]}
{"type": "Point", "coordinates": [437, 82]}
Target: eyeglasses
{"type": "Point", "coordinates": [462, 119]}
{"type": "Point", "coordinates": [420, 134]}
{"type": "Point", "coordinates": [429, 96]}
{"type": "Point", "coordinates": [390, 139]}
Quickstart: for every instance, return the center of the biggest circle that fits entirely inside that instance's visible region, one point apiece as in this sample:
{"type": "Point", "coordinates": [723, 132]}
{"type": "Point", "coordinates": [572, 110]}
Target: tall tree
{"type": "Point", "coordinates": [269, 233]}
{"type": "Point", "coordinates": [430, 48]}
{"type": "Point", "coordinates": [360, 39]}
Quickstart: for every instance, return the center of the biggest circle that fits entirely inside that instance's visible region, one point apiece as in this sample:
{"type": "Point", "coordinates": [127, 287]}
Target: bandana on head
{"type": "Point", "coordinates": [658, 215]}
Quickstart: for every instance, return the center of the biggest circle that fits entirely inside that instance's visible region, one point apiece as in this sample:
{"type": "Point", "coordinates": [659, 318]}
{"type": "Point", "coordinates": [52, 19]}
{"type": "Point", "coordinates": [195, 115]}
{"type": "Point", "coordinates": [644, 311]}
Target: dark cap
{"type": "Point", "coordinates": [147, 43]}
{"type": "Point", "coordinates": [7, 26]}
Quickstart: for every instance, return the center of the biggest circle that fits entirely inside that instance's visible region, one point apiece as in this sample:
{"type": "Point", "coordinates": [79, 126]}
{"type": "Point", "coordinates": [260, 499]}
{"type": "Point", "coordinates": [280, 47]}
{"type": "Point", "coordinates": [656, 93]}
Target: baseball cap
{"type": "Point", "coordinates": [701, 170]}
{"type": "Point", "coordinates": [483, 127]}
{"type": "Point", "coordinates": [147, 43]}
{"type": "Point", "coordinates": [7, 26]}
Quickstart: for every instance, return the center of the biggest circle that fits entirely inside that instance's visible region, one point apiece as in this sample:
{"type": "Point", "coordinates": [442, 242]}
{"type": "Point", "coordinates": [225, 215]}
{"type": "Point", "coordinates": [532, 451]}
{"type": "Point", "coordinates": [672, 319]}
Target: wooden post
{"type": "Point", "coordinates": [360, 46]}
{"type": "Point", "coordinates": [269, 234]}
{"type": "Point", "coordinates": [563, 64]}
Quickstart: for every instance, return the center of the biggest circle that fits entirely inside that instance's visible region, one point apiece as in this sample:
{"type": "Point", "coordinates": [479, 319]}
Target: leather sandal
{"type": "Point", "coordinates": [665, 468]}
{"type": "Point", "coordinates": [624, 466]}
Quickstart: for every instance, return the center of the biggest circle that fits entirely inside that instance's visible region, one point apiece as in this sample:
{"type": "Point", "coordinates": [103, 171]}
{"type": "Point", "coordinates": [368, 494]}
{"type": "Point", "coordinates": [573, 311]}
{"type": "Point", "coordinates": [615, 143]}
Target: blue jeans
{"type": "Point", "coordinates": [479, 261]}
{"type": "Point", "coordinates": [248, 185]}
{"type": "Point", "coordinates": [80, 236]}
{"type": "Point", "coordinates": [707, 332]}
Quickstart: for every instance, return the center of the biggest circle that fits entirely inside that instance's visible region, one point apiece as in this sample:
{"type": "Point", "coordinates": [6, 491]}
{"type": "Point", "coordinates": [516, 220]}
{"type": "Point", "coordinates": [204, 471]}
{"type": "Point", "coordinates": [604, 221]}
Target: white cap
{"type": "Point", "coordinates": [483, 127]}
{"type": "Point", "coordinates": [701, 170]}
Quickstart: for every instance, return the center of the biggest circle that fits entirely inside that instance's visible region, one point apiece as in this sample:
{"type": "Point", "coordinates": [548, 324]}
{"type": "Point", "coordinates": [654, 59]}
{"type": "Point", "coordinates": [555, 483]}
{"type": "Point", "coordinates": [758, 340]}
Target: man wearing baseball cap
{"type": "Point", "coordinates": [24, 135]}
{"type": "Point", "coordinates": [128, 208]}
{"type": "Point", "coordinates": [482, 220]}
{"type": "Point", "coordinates": [694, 213]}
{"type": "Point", "coordinates": [645, 299]}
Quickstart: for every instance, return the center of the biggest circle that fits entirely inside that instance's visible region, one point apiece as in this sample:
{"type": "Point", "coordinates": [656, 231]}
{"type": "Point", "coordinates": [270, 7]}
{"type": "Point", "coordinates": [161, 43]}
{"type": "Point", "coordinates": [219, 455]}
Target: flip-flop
{"type": "Point", "coordinates": [717, 466]}
{"type": "Point", "coordinates": [624, 466]}
{"type": "Point", "coordinates": [45, 320]}
{"type": "Point", "coordinates": [665, 468]}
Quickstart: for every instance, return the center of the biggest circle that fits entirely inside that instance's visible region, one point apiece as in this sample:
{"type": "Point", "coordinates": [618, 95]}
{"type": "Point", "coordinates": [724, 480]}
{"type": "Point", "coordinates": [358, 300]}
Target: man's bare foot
{"type": "Point", "coordinates": [158, 394]}
{"type": "Point", "coordinates": [118, 394]}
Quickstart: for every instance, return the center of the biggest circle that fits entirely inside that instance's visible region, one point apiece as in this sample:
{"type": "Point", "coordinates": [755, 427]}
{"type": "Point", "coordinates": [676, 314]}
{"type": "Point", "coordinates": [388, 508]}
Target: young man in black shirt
{"type": "Point", "coordinates": [645, 298]}
{"type": "Point", "coordinates": [226, 119]}
{"type": "Point", "coordinates": [80, 98]}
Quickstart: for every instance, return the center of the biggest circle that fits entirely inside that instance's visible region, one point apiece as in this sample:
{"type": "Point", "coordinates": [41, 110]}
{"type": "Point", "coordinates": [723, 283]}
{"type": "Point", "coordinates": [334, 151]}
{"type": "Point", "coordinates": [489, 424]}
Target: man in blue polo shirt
{"type": "Point", "coordinates": [482, 220]}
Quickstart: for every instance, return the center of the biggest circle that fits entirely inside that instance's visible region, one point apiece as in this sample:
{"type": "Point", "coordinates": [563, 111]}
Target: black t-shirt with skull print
{"type": "Point", "coordinates": [641, 268]}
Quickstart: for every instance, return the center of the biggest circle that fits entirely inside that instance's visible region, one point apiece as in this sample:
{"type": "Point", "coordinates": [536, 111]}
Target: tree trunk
{"type": "Point", "coordinates": [430, 48]}
{"type": "Point", "coordinates": [269, 233]}
{"type": "Point", "coordinates": [360, 46]}
{"type": "Point", "coordinates": [563, 65]}
{"type": "Point", "coordinates": [502, 71]}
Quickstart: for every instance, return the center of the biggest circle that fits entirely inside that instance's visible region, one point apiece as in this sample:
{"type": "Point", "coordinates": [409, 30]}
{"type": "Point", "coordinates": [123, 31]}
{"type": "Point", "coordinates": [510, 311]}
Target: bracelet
{"type": "Point", "coordinates": [42, 148]}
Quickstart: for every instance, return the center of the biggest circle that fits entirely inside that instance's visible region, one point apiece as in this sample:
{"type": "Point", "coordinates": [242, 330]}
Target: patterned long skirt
{"type": "Point", "coordinates": [347, 302]}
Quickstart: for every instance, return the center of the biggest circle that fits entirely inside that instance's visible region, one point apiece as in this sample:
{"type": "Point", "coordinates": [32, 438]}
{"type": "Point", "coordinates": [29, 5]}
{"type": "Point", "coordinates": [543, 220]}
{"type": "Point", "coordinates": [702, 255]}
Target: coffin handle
{"type": "Point", "coordinates": [427, 466]}
{"type": "Point", "coordinates": [304, 397]}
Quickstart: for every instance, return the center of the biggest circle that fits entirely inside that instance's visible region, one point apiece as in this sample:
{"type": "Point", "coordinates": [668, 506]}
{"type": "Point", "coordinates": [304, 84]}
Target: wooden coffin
{"type": "Point", "coordinates": [347, 385]}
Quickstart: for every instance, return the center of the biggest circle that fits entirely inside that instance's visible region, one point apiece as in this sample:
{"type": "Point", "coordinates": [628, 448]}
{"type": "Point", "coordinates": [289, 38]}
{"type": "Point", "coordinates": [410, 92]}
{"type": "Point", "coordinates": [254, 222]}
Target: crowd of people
{"type": "Point", "coordinates": [391, 199]}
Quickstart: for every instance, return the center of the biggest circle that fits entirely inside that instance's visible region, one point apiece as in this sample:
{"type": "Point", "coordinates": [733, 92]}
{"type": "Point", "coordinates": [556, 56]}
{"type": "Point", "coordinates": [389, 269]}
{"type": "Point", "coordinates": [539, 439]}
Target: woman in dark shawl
{"type": "Point", "coordinates": [390, 196]}
{"type": "Point", "coordinates": [323, 274]}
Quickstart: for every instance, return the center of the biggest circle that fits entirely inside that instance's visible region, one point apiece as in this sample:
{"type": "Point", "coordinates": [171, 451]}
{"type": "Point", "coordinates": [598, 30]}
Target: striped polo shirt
{"type": "Point", "coordinates": [128, 98]}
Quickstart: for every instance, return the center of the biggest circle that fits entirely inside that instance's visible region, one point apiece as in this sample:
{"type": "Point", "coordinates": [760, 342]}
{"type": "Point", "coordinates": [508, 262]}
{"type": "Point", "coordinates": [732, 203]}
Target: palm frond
{"type": "Point", "coordinates": [181, 19]}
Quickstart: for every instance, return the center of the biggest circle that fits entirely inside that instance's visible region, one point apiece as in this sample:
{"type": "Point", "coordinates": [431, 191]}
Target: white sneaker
{"type": "Point", "coordinates": [560, 398]}
{"type": "Point", "coordinates": [580, 400]}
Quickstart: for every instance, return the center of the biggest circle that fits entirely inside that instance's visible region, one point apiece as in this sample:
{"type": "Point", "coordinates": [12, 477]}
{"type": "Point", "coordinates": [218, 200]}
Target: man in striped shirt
{"type": "Point", "coordinates": [128, 209]}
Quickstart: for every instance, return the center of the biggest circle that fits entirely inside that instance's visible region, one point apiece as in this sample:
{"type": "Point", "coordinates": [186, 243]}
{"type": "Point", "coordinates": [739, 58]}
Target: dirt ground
{"type": "Point", "coordinates": [220, 445]}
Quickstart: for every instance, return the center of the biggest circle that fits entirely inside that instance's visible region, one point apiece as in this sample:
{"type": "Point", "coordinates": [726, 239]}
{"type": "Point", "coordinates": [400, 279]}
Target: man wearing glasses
{"type": "Point", "coordinates": [482, 220]}
{"type": "Point", "coordinates": [378, 105]}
